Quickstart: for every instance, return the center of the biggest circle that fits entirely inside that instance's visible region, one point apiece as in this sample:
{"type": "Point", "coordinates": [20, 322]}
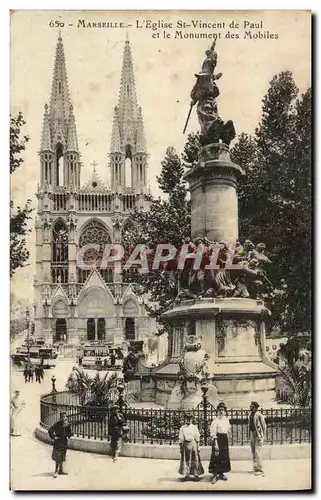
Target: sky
{"type": "Point", "coordinates": [164, 74]}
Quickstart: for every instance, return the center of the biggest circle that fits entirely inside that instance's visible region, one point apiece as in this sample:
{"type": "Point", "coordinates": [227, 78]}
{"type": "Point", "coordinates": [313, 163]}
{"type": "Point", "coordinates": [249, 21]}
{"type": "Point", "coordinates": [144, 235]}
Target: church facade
{"type": "Point", "coordinates": [73, 304]}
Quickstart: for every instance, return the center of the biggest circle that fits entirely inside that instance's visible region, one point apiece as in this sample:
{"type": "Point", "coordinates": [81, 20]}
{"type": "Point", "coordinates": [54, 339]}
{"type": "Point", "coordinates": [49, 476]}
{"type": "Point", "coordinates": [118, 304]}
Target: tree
{"type": "Point", "coordinates": [167, 221]}
{"type": "Point", "coordinates": [275, 199]}
{"type": "Point", "coordinates": [19, 216]}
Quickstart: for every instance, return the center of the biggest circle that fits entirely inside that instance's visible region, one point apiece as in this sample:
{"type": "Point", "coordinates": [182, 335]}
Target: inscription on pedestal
{"type": "Point", "coordinates": [237, 339]}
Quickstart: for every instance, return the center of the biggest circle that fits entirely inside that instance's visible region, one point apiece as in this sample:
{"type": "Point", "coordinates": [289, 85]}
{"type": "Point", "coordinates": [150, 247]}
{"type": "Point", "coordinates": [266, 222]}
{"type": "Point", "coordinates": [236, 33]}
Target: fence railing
{"type": "Point", "coordinates": [160, 426]}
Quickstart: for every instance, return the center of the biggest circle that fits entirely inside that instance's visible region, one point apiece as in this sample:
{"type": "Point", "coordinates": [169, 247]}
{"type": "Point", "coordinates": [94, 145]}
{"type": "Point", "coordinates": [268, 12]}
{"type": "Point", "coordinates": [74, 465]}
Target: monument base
{"type": "Point", "coordinates": [232, 334]}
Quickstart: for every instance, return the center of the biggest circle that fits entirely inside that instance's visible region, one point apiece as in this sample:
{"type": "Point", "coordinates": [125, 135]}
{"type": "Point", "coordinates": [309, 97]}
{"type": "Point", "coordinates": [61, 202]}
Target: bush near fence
{"type": "Point", "coordinates": [160, 426]}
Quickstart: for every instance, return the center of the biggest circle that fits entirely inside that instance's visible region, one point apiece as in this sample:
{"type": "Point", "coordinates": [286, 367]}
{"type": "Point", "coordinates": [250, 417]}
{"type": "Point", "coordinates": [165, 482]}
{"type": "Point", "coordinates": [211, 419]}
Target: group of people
{"type": "Point", "coordinates": [60, 433]}
{"type": "Point", "coordinates": [31, 370]}
{"type": "Point", "coordinates": [189, 437]}
{"type": "Point", "coordinates": [220, 464]}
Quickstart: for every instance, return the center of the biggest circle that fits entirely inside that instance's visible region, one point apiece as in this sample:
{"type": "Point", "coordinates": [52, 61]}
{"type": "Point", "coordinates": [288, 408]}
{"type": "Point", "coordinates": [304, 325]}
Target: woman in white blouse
{"type": "Point", "coordinates": [189, 437]}
{"type": "Point", "coordinates": [220, 458]}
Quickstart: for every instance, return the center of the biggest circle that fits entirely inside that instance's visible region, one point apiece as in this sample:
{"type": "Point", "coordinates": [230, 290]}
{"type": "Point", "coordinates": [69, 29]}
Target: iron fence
{"type": "Point", "coordinates": [160, 426]}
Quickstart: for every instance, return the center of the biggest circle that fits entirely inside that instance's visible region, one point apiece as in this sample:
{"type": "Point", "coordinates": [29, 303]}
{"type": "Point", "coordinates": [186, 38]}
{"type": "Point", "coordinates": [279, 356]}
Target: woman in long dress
{"type": "Point", "coordinates": [189, 437]}
{"type": "Point", "coordinates": [220, 458]}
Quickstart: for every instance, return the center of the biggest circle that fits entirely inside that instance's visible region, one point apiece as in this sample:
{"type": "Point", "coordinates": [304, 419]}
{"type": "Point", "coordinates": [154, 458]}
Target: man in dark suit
{"type": "Point", "coordinates": [60, 432]}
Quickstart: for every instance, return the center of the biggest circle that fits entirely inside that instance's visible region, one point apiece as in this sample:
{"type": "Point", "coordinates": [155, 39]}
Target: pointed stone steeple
{"type": "Point", "coordinates": [46, 134]}
{"type": "Point", "coordinates": [72, 141]}
{"type": "Point", "coordinates": [127, 102]}
{"type": "Point", "coordinates": [60, 100]}
{"type": "Point", "coordinates": [140, 138]}
{"type": "Point", "coordinates": [128, 137]}
{"type": "Point", "coordinates": [115, 135]}
{"type": "Point", "coordinates": [59, 133]}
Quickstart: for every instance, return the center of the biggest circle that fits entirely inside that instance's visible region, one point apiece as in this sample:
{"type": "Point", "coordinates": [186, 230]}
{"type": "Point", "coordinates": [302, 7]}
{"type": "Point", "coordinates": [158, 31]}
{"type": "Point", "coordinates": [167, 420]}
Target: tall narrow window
{"type": "Point", "coordinates": [59, 165]}
{"type": "Point", "coordinates": [128, 172]}
{"type": "Point", "coordinates": [128, 167]}
{"type": "Point", "coordinates": [59, 87]}
{"type": "Point", "coordinates": [59, 252]}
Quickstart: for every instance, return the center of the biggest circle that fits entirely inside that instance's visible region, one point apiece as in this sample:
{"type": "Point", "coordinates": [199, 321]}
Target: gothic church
{"type": "Point", "coordinates": [73, 304]}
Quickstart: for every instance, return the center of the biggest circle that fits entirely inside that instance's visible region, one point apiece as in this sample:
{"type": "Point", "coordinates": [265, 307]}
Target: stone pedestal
{"type": "Point", "coordinates": [213, 186]}
{"type": "Point", "coordinates": [232, 332]}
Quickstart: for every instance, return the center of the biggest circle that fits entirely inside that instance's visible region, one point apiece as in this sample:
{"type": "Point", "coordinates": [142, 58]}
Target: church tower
{"type": "Point", "coordinates": [76, 298]}
{"type": "Point", "coordinates": [59, 153]}
{"type": "Point", "coordinates": [128, 154]}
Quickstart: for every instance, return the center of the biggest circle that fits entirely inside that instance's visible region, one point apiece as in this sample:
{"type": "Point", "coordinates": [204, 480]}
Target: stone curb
{"type": "Point", "coordinates": [171, 452]}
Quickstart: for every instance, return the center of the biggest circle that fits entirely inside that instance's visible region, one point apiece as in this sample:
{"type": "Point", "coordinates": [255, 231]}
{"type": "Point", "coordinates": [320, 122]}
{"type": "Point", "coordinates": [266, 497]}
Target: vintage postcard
{"type": "Point", "coordinates": [160, 236]}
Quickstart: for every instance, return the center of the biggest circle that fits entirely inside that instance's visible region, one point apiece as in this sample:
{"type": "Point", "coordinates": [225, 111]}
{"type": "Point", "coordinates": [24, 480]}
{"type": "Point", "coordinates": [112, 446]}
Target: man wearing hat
{"type": "Point", "coordinates": [189, 437]}
{"type": "Point", "coordinates": [116, 426]}
{"type": "Point", "coordinates": [257, 430]}
{"type": "Point", "coordinates": [60, 432]}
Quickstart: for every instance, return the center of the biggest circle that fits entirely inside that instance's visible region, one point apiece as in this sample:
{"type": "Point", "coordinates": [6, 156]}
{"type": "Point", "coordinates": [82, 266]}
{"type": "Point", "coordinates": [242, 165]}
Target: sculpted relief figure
{"type": "Point", "coordinates": [246, 278]}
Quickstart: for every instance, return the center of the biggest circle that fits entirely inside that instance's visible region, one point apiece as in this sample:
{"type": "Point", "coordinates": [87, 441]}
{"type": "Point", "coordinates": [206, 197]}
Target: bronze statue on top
{"type": "Point", "coordinates": [204, 93]}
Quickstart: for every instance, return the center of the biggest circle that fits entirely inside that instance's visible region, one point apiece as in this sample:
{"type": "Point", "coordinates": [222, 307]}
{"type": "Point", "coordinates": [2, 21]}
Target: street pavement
{"type": "Point", "coordinates": [32, 467]}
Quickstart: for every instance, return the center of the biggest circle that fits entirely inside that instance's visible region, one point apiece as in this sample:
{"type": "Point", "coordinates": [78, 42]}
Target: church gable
{"type": "Point", "coordinates": [95, 281]}
{"type": "Point", "coordinates": [59, 295]}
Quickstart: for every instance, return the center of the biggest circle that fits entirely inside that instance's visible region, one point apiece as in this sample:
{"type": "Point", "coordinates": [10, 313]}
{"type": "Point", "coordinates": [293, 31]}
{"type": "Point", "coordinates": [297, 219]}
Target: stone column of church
{"type": "Point", "coordinates": [96, 328]}
{"type": "Point", "coordinates": [72, 333]}
{"type": "Point", "coordinates": [118, 331]}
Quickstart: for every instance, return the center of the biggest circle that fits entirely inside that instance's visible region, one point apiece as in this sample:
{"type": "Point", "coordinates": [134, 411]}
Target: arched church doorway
{"type": "Point", "coordinates": [91, 329]}
{"type": "Point", "coordinates": [61, 330]}
{"type": "Point", "coordinates": [101, 329]}
{"type": "Point", "coordinates": [130, 328]}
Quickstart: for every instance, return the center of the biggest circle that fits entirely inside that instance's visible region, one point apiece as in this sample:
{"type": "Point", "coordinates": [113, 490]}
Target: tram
{"type": "Point", "coordinates": [38, 353]}
{"type": "Point", "coordinates": [100, 356]}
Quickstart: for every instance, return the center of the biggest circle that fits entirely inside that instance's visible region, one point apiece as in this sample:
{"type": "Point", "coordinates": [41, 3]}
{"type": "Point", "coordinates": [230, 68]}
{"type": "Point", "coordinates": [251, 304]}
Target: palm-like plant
{"type": "Point", "coordinates": [298, 384]}
{"type": "Point", "coordinates": [102, 388]}
{"type": "Point", "coordinates": [97, 390]}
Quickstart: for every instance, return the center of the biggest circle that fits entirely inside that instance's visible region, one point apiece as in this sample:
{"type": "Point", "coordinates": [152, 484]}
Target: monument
{"type": "Point", "coordinates": [221, 305]}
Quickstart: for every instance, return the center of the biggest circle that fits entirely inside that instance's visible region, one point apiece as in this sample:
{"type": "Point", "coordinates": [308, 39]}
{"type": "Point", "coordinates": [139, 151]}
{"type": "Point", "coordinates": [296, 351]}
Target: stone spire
{"type": "Point", "coordinates": [128, 137]}
{"type": "Point", "coordinates": [127, 102]}
{"type": "Point", "coordinates": [72, 141]}
{"type": "Point", "coordinates": [60, 100]}
{"type": "Point", "coordinates": [46, 134]}
{"type": "Point", "coordinates": [140, 137]}
{"type": "Point", "coordinates": [59, 134]}
{"type": "Point", "coordinates": [115, 146]}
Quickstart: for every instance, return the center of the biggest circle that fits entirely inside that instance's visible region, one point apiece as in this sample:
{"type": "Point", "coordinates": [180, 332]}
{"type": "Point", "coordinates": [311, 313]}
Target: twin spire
{"type": "Point", "coordinates": [128, 128]}
{"type": "Point", "coordinates": [59, 125]}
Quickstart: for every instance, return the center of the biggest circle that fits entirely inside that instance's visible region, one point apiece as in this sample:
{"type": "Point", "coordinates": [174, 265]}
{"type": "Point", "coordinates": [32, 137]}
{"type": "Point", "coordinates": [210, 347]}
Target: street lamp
{"type": "Point", "coordinates": [28, 325]}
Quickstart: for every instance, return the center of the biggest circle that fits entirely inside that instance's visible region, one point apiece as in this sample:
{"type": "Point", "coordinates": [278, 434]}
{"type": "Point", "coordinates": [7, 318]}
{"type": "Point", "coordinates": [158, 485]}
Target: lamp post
{"type": "Point", "coordinates": [28, 329]}
{"type": "Point", "coordinates": [120, 402]}
{"type": "Point", "coordinates": [204, 389]}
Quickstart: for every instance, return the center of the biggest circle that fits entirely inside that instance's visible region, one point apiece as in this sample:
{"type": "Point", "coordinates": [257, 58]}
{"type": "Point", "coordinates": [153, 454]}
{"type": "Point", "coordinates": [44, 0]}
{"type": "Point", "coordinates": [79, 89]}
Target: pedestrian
{"type": "Point", "coordinates": [60, 432]}
{"type": "Point", "coordinates": [257, 431]}
{"type": "Point", "coordinates": [30, 374]}
{"type": "Point", "coordinates": [189, 437]}
{"type": "Point", "coordinates": [37, 373]}
{"type": "Point", "coordinates": [41, 372]}
{"type": "Point", "coordinates": [112, 360]}
{"type": "Point", "coordinates": [116, 427]}
{"type": "Point", "coordinates": [220, 457]}
{"type": "Point", "coordinates": [16, 405]}
{"type": "Point", "coordinates": [26, 373]}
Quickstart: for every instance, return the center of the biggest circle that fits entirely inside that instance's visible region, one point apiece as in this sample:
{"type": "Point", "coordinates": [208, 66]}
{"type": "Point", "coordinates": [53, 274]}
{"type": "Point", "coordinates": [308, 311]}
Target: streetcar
{"type": "Point", "coordinates": [100, 357]}
{"type": "Point", "coordinates": [37, 353]}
